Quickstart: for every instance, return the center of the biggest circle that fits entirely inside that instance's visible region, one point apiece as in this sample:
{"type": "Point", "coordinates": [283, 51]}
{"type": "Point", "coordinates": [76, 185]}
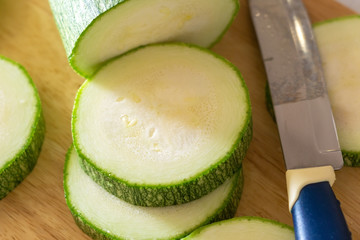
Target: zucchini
{"type": "Point", "coordinates": [339, 46]}
{"type": "Point", "coordinates": [22, 125]}
{"type": "Point", "coordinates": [95, 31]}
{"type": "Point", "coordinates": [103, 216]}
{"type": "Point", "coordinates": [249, 228]}
{"type": "Point", "coordinates": [163, 124]}
{"type": "Point", "coordinates": [339, 43]}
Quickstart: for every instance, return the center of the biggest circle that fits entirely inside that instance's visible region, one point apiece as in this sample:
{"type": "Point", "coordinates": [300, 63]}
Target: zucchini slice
{"type": "Point", "coordinates": [22, 125]}
{"type": "Point", "coordinates": [95, 31]}
{"type": "Point", "coordinates": [163, 124]}
{"type": "Point", "coordinates": [339, 46]}
{"type": "Point", "coordinates": [249, 228]}
{"type": "Point", "coordinates": [103, 216]}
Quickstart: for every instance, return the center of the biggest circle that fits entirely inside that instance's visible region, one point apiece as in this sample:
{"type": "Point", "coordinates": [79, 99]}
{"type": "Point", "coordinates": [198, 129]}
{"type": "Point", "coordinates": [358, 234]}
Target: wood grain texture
{"type": "Point", "coordinates": [36, 209]}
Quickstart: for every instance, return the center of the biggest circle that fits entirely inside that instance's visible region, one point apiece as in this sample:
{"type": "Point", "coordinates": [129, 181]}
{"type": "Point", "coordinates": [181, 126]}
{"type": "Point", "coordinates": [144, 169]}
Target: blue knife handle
{"type": "Point", "coordinates": [317, 214]}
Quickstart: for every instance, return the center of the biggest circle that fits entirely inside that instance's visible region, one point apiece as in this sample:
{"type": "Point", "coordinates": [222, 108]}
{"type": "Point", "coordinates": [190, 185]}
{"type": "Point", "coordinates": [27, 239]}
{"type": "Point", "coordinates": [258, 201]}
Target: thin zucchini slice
{"type": "Point", "coordinates": [163, 124]}
{"type": "Point", "coordinates": [22, 125]}
{"type": "Point", "coordinates": [339, 46]}
{"type": "Point", "coordinates": [249, 228]}
{"type": "Point", "coordinates": [95, 31]}
{"type": "Point", "coordinates": [103, 216]}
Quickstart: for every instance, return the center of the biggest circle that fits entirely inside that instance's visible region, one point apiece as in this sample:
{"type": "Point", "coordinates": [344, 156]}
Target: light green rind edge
{"type": "Point", "coordinates": [66, 15]}
{"type": "Point", "coordinates": [17, 168]}
{"type": "Point", "coordinates": [226, 211]}
{"type": "Point", "coordinates": [177, 192]}
{"type": "Point", "coordinates": [71, 48]}
{"type": "Point", "coordinates": [335, 20]}
{"type": "Point", "coordinates": [200, 230]}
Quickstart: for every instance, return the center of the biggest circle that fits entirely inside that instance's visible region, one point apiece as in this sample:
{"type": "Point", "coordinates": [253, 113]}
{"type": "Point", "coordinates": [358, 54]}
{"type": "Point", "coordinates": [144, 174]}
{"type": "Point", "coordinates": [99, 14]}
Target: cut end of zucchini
{"type": "Point", "coordinates": [103, 216]}
{"type": "Point", "coordinates": [21, 125]}
{"type": "Point", "coordinates": [134, 23]}
{"type": "Point", "coordinates": [339, 46]}
{"type": "Point", "coordinates": [249, 228]}
{"type": "Point", "coordinates": [163, 116]}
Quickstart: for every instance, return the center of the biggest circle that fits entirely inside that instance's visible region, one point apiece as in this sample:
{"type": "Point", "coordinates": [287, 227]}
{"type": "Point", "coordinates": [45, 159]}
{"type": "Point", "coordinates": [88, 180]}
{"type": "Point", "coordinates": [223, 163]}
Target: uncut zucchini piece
{"type": "Point", "coordinates": [162, 125]}
{"type": "Point", "coordinates": [22, 125]}
{"type": "Point", "coordinates": [339, 46]}
{"type": "Point", "coordinates": [249, 228]}
{"type": "Point", "coordinates": [95, 31]}
{"type": "Point", "coordinates": [103, 216]}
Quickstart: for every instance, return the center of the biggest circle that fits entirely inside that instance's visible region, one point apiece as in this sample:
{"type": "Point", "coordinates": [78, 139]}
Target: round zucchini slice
{"type": "Point", "coordinates": [22, 125]}
{"type": "Point", "coordinates": [339, 46]}
{"type": "Point", "coordinates": [249, 228]}
{"type": "Point", "coordinates": [163, 124]}
{"type": "Point", "coordinates": [103, 216]}
{"type": "Point", "coordinates": [95, 31]}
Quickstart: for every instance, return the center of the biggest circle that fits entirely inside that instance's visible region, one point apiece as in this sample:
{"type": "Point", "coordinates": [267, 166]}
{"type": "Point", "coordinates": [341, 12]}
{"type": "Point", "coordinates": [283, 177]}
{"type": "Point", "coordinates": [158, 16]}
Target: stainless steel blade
{"type": "Point", "coordinates": [293, 66]}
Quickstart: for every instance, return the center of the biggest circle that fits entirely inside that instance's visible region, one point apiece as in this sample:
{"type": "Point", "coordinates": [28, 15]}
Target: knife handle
{"type": "Point", "coordinates": [317, 214]}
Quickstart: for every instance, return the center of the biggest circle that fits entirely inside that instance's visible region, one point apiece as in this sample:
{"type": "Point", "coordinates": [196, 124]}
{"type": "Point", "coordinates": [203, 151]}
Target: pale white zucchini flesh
{"type": "Point", "coordinates": [163, 109]}
{"type": "Point", "coordinates": [161, 117]}
{"type": "Point", "coordinates": [95, 32]}
{"type": "Point", "coordinates": [17, 110]}
{"type": "Point", "coordinates": [339, 46]}
{"type": "Point", "coordinates": [104, 216]}
{"type": "Point", "coordinates": [21, 125]}
{"type": "Point", "coordinates": [244, 228]}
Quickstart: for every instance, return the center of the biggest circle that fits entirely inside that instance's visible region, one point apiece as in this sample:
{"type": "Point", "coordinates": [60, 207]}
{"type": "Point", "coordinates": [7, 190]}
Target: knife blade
{"type": "Point", "coordinates": [303, 114]}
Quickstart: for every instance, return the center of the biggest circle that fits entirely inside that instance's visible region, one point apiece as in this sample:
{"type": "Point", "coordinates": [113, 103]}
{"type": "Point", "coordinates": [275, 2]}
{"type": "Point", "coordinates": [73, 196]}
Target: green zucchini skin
{"type": "Point", "coordinates": [156, 196]}
{"type": "Point", "coordinates": [351, 159]}
{"type": "Point", "coordinates": [15, 171]}
{"type": "Point", "coordinates": [74, 19]}
{"type": "Point", "coordinates": [179, 192]}
{"type": "Point", "coordinates": [226, 211]}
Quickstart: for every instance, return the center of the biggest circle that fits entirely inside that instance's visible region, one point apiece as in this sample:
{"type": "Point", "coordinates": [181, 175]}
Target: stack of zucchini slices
{"type": "Point", "coordinates": [22, 126]}
{"type": "Point", "coordinates": [159, 131]}
{"type": "Point", "coordinates": [163, 129]}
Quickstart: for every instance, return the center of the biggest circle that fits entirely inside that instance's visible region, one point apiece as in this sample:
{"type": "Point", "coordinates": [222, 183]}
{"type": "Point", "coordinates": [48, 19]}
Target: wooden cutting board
{"type": "Point", "coordinates": [36, 209]}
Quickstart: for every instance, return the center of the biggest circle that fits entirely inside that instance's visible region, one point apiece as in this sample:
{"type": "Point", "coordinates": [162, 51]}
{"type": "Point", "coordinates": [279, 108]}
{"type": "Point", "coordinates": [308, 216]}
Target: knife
{"type": "Point", "coordinates": [303, 114]}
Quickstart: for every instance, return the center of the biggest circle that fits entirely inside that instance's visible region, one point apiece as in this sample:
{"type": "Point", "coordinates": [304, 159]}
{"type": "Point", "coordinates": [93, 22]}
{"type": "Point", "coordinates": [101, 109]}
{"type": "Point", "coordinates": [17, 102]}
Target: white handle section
{"type": "Point", "coordinates": [296, 179]}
